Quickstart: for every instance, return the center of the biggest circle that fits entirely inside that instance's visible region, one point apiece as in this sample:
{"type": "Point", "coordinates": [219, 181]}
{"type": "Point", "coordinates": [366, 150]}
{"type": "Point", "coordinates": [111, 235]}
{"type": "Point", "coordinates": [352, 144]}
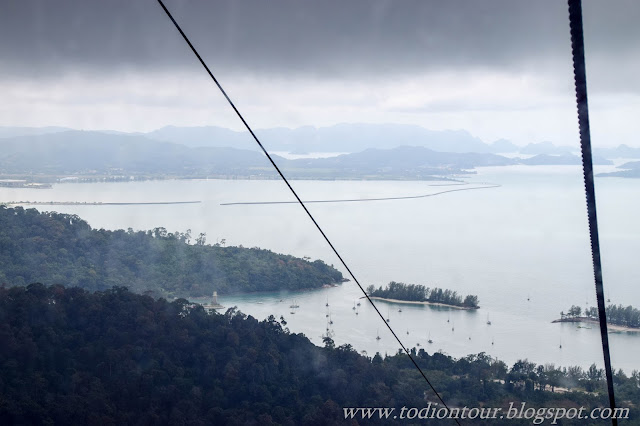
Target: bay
{"type": "Point", "coordinates": [523, 248]}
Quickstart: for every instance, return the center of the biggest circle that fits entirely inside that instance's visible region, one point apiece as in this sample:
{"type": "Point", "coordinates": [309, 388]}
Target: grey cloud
{"type": "Point", "coordinates": [289, 36]}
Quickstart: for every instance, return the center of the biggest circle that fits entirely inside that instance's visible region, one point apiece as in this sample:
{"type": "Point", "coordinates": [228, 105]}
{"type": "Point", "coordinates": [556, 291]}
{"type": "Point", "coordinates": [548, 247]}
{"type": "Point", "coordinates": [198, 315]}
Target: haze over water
{"type": "Point", "coordinates": [527, 238]}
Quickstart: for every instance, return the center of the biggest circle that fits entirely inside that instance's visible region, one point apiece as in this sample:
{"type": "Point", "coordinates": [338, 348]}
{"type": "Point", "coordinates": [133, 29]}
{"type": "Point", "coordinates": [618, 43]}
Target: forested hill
{"type": "Point", "coordinates": [68, 356]}
{"type": "Point", "coordinates": [61, 248]}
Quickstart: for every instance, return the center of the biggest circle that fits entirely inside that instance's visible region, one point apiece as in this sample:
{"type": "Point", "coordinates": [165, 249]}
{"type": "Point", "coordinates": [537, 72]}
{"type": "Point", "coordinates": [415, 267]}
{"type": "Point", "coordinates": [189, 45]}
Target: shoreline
{"type": "Point", "coordinates": [269, 292]}
{"type": "Point", "coordinates": [610, 327]}
{"type": "Point", "coordinates": [412, 302]}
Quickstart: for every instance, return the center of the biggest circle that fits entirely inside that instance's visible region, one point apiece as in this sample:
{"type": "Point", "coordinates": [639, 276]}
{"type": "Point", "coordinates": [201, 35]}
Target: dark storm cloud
{"type": "Point", "coordinates": [334, 37]}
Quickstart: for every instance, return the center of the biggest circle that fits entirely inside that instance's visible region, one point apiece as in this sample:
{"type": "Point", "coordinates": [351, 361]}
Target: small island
{"type": "Point", "coordinates": [619, 318]}
{"type": "Point", "coordinates": [418, 294]}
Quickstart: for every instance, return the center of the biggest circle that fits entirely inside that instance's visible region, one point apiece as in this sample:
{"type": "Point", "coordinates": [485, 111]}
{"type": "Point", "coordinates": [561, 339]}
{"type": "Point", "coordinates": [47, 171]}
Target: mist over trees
{"type": "Point", "coordinates": [61, 248]}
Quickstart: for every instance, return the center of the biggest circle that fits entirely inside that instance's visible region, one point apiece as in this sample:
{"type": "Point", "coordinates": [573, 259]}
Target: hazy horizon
{"type": "Point", "coordinates": [498, 69]}
{"type": "Point", "coordinates": [558, 144]}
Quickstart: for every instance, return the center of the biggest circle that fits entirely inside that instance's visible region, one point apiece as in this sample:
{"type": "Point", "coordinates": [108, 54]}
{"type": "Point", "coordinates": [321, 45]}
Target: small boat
{"type": "Point", "coordinates": [330, 320]}
{"type": "Point", "coordinates": [429, 339]}
{"type": "Point", "coordinates": [378, 336]}
{"type": "Point", "coordinates": [407, 331]}
{"type": "Point", "coordinates": [358, 304]}
{"type": "Point", "coordinates": [388, 320]}
{"type": "Point", "coordinates": [294, 305]}
{"type": "Point", "coordinates": [418, 344]}
{"type": "Point", "coordinates": [354, 306]}
{"type": "Point", "coordinates": [488, 320]}
{"type": "Point", "coordinates": [491, 341]}
{"type": "Point", "coordinates": [399, 309]}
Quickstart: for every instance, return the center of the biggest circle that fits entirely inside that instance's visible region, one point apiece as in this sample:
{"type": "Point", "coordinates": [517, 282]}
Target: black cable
{"type": "Point", "coordinates": [577, 49]}
{"type": "Point", "coordinates": [302, 204]}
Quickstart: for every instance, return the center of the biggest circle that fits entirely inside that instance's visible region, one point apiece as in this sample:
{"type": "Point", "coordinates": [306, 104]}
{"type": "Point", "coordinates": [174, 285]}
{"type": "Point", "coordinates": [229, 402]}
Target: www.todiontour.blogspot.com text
{"type": "Point", "coordinates": [515, 411]}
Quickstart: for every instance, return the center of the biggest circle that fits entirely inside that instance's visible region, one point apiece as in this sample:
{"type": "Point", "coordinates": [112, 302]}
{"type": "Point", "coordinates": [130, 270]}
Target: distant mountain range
{"type": "Point", "coordinates": [96, 154]}
{"type": "Point", "coordinates": [348, 138]}
{"type": "Point", "coordinates": [83, 152]}
{"type": "Point", "coordinates": [9, 132]}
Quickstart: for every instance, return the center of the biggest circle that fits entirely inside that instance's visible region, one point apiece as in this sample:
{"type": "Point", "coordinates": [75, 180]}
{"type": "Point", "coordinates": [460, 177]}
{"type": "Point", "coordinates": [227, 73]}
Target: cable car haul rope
{"type": "Point", "coordinates": [580, 76]}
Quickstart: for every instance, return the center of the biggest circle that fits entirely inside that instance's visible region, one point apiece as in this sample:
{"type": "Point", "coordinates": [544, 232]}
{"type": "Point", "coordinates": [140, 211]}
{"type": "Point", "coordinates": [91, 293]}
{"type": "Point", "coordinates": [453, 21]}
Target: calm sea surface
{"type": "Point", "coordinates": [527, 239]}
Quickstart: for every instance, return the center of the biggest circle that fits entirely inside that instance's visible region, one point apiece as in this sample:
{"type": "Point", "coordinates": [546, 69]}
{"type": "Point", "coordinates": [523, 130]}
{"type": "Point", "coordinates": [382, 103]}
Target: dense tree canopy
{"type": "Point", "coordinates": [616, 314]}
{"type": "Point", "coordinates": [60, 248]}
{"type": "Point", "coordinates": [68, 356]}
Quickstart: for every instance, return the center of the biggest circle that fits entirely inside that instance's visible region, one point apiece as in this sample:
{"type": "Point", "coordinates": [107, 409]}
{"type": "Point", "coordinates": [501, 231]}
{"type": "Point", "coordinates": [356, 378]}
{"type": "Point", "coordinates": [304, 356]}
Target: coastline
{"type": "Point", "coordinates": [610, 327]}
{"type": "Point", "coordinates": [268, 292]}
{"type": "Point", "coordinates": [411, 302]}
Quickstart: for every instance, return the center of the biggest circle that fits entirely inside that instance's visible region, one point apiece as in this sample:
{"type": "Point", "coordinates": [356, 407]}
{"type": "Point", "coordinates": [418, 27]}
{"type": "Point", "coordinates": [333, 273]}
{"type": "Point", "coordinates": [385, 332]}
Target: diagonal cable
{"type": "Point", "coordinates": [577, 48]}
{"type": "Point", "coordinates": [186, 39]}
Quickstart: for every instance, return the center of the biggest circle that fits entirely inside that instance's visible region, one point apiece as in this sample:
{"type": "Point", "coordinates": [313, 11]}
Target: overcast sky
{"type": "Point", "coordinates": [497, 68]}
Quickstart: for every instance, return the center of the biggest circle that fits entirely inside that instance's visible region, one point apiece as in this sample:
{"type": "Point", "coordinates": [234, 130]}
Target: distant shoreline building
{"type": "Point", "coordinates": [21, 183]}
{"type": "Point", "coordinates": [214, 303]}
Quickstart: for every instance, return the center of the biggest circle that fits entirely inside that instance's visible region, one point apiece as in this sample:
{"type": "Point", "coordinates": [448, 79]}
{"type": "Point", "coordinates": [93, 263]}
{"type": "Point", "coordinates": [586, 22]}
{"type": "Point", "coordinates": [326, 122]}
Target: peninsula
{"type": "Point", "coordinates": [619, 318]}
{"type": "Point", "coordinates": [55, 247]}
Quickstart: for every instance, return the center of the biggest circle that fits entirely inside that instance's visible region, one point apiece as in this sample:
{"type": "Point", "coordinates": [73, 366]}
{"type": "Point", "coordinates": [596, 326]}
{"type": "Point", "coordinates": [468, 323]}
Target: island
{"type": "Point", "coordinates": [397, 292]}
{"type": "Point", "coordinates": [619, 317]}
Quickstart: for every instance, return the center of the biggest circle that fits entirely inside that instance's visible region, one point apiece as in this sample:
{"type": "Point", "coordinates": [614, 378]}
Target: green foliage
{"type": "Point", "coordinates": [420, 293]}
{"type": "Point", "coordinates": [62, 248]}
{"type": "Point", "coordinates": [616, 314]}
{"type": "Point", "coordinates": [68, 356]}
